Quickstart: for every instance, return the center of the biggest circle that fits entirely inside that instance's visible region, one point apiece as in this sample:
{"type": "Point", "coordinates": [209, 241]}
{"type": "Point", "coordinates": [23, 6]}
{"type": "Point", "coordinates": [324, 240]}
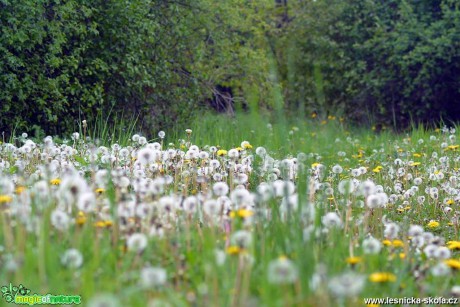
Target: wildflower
{"type": "Point", "coordinates": [246, 145]}
{"type": "Point", "coordinates": [221, 152]}
{"type": "Point", "coordinates": [60, 220]}
{"type": "Point", "coordinates": [337, 169]}
{"type": "Point", "coordinates": [282, 271]}
{"type": "Point", "coordinates": [220, 188]}
{"type": "Point", "coordinates": [234, 250]}
{"type": "Point", "coordinates": [233, 153]}
{"type": "Point", "coordinates": [367, 188]}
{"type": "Point", "coordinates": [4, 199]}
{"type": "Point", "coordinates": [19, 189]}
{"type": "Point", "coordinates": [86, 202]}
{"type": "Point", "coordinates": [455, 291]}
{"type": "Point", "coordinates": [242, 238]}
{"type": "Point", "coordinates": [81, 218]}
{"type": "Point", "coordinates": [454, 245]}
{"type": "Point", "coordinates": [72, 258]}
{"type": "Point", "coordinates": [398, 243]}
{"type": "Point", "coordinates": [371, 245]}
{"type": "Point", "coordinates": [261, 151]}
{"type": "Point", "coordinates": [346, 186]}
{"type": "Point", "coordinates": [188, 131]}
{"type": "Point", "coordinates": [347, 285]}
{"type": "Point", "coordinates": [153, 277]}
{"type": "Point", "coordinates": [391, 230]}
{"type": "Point", "coordinates": [414, 164]}
{"type": "Point", "coordinates": [433, 224]}
{"type": "Point", "coordinates": [244, 213]}
{"type": "Point", "coordinates": [55, 181]}
{"type": "Point", "coordinates": [430, 250]}
{"type": "Point", "coordinates": [146, 156]}
{"type": "Point", "coordinates": [99, 190]}
{"type": "Point", "coordinates": [454, 264]}
{"type": "Point", "coordinates": [103, 224]}
{"type": "Point", "coordinates": [353, 260]}
{"type": "Point", "coordinates": [212, 207]}
{"type": "Point", "coordinates": [381, 277]}
{"type": "Point", "coordinates": [386, 242]}
{"type": "Point", "coordinates": [442, 252]}
{"type": "Point", "coordinates": [415, 230]}
{"type": "Point", "coordinates": [137, 242]}
{"type": "Point", "coordinates": [331, 219]}
{"type": "Point", "coordinates": [441, 269]}
{"type": "Point", "coordinates": [283, 188]}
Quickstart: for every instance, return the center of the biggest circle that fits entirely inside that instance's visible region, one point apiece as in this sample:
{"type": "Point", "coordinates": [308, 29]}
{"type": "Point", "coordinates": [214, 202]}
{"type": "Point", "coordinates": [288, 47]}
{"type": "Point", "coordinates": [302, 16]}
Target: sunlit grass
{"type": "Point", "coordinates": [297, 247]}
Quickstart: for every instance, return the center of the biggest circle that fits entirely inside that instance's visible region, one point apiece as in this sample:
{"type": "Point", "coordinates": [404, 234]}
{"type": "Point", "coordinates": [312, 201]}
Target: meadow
{"type": "Point", "coordinates": [232, 212]}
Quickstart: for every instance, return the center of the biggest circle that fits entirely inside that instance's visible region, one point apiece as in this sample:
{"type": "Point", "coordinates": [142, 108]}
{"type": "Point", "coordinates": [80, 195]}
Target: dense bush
{"type": "Point", "coordinates": [391, 61]}
{"type": "Point", "coordinates": [383, 61]}
{"type": "Point", "coordinates": [64, 61]}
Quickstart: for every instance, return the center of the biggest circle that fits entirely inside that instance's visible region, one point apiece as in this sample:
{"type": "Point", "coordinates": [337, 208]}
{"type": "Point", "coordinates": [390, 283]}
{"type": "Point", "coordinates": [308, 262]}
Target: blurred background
{"type": "Point", "coordinates": [155, 65]}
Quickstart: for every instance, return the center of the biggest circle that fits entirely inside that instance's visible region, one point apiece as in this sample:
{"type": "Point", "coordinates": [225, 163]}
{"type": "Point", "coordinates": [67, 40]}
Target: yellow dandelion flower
{"type": "Point", "coordinates": [4, 199]}
{"type": "Point", "coordinates": [247, 146]}
{"type": "Point", "coordinates": [100, 190]}
{"type": "Point", "coordinates": [80, 219]}
{"type": "Point", "coordinates": [353, 260]}
{"type": "Point", "coordinates": [233, 250]}
{"type": "Point", "coordinates": [415, 164]}
{"type": "Point", "coordinates": [315, 164]}
{"type": "Point", "coordinates": [99, 224]}
{"type": "Point", "coordinates": [398, 243]}
{"type": "Point", "coordinates": [386, 242]}
{"type": "Point", "coordinates": [55, 181]}
{"type": "Point", "coordinates": [221, 152]}
{"type": "Point", "coordinates": [454, 245]}
{"type": "Point", "coordinates": [108, 223]}
{"type": "Point", "coordinates": [381, 277]}
{"type": "Point", "coordinates": [433, 224]}
{"type": "Point", "coordinates": [454, 264]}
{"type": "Point", "coordinates": [244, 213]}
{"type": "Point", "coordinates": [239, 148]}
{"type": "Point", "coordinates": [417, 155]}
{"type": "Point", "coordinates": [20, 189]}
{"type": "Point", "coordinates": [450, 202]}
{"type": "Point", "coordinates": [377, 169]}
{"type": "Point", "coordinates": [402, 255]}
{"type": "Point", "coordinates": [283, 257]}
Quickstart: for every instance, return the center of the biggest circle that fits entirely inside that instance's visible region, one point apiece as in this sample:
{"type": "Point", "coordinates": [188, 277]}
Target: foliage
{"type": "Point", "coordinates": [392, 61]}
{"type": "Point", "coordinates": [65, 61]}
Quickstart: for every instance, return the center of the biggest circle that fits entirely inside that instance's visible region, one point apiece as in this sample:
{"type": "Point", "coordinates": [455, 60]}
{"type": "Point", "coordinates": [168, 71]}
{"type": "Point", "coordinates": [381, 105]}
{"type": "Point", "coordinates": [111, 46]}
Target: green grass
{"type": "Point", "coordinates": [187, 249]}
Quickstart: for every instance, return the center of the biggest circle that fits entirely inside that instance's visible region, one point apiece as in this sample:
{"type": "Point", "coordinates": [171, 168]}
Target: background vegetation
{"type": "Point", "coordinates": [384, 62]}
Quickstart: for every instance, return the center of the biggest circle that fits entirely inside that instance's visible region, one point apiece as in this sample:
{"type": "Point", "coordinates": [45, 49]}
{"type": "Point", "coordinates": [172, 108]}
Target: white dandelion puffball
{"type": "Point", "coordinates": [153, 277]}
{"type": "Point", "coordinates": [282, 271]}
{"type": "Point", "coordinates": [137, 242]}
{"type": "Point", "coordinates": [72, 258]}
{"type": "Point", "coordinates": [347, 285]}
{"type": "Point", "coordinates": [371, 245]}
